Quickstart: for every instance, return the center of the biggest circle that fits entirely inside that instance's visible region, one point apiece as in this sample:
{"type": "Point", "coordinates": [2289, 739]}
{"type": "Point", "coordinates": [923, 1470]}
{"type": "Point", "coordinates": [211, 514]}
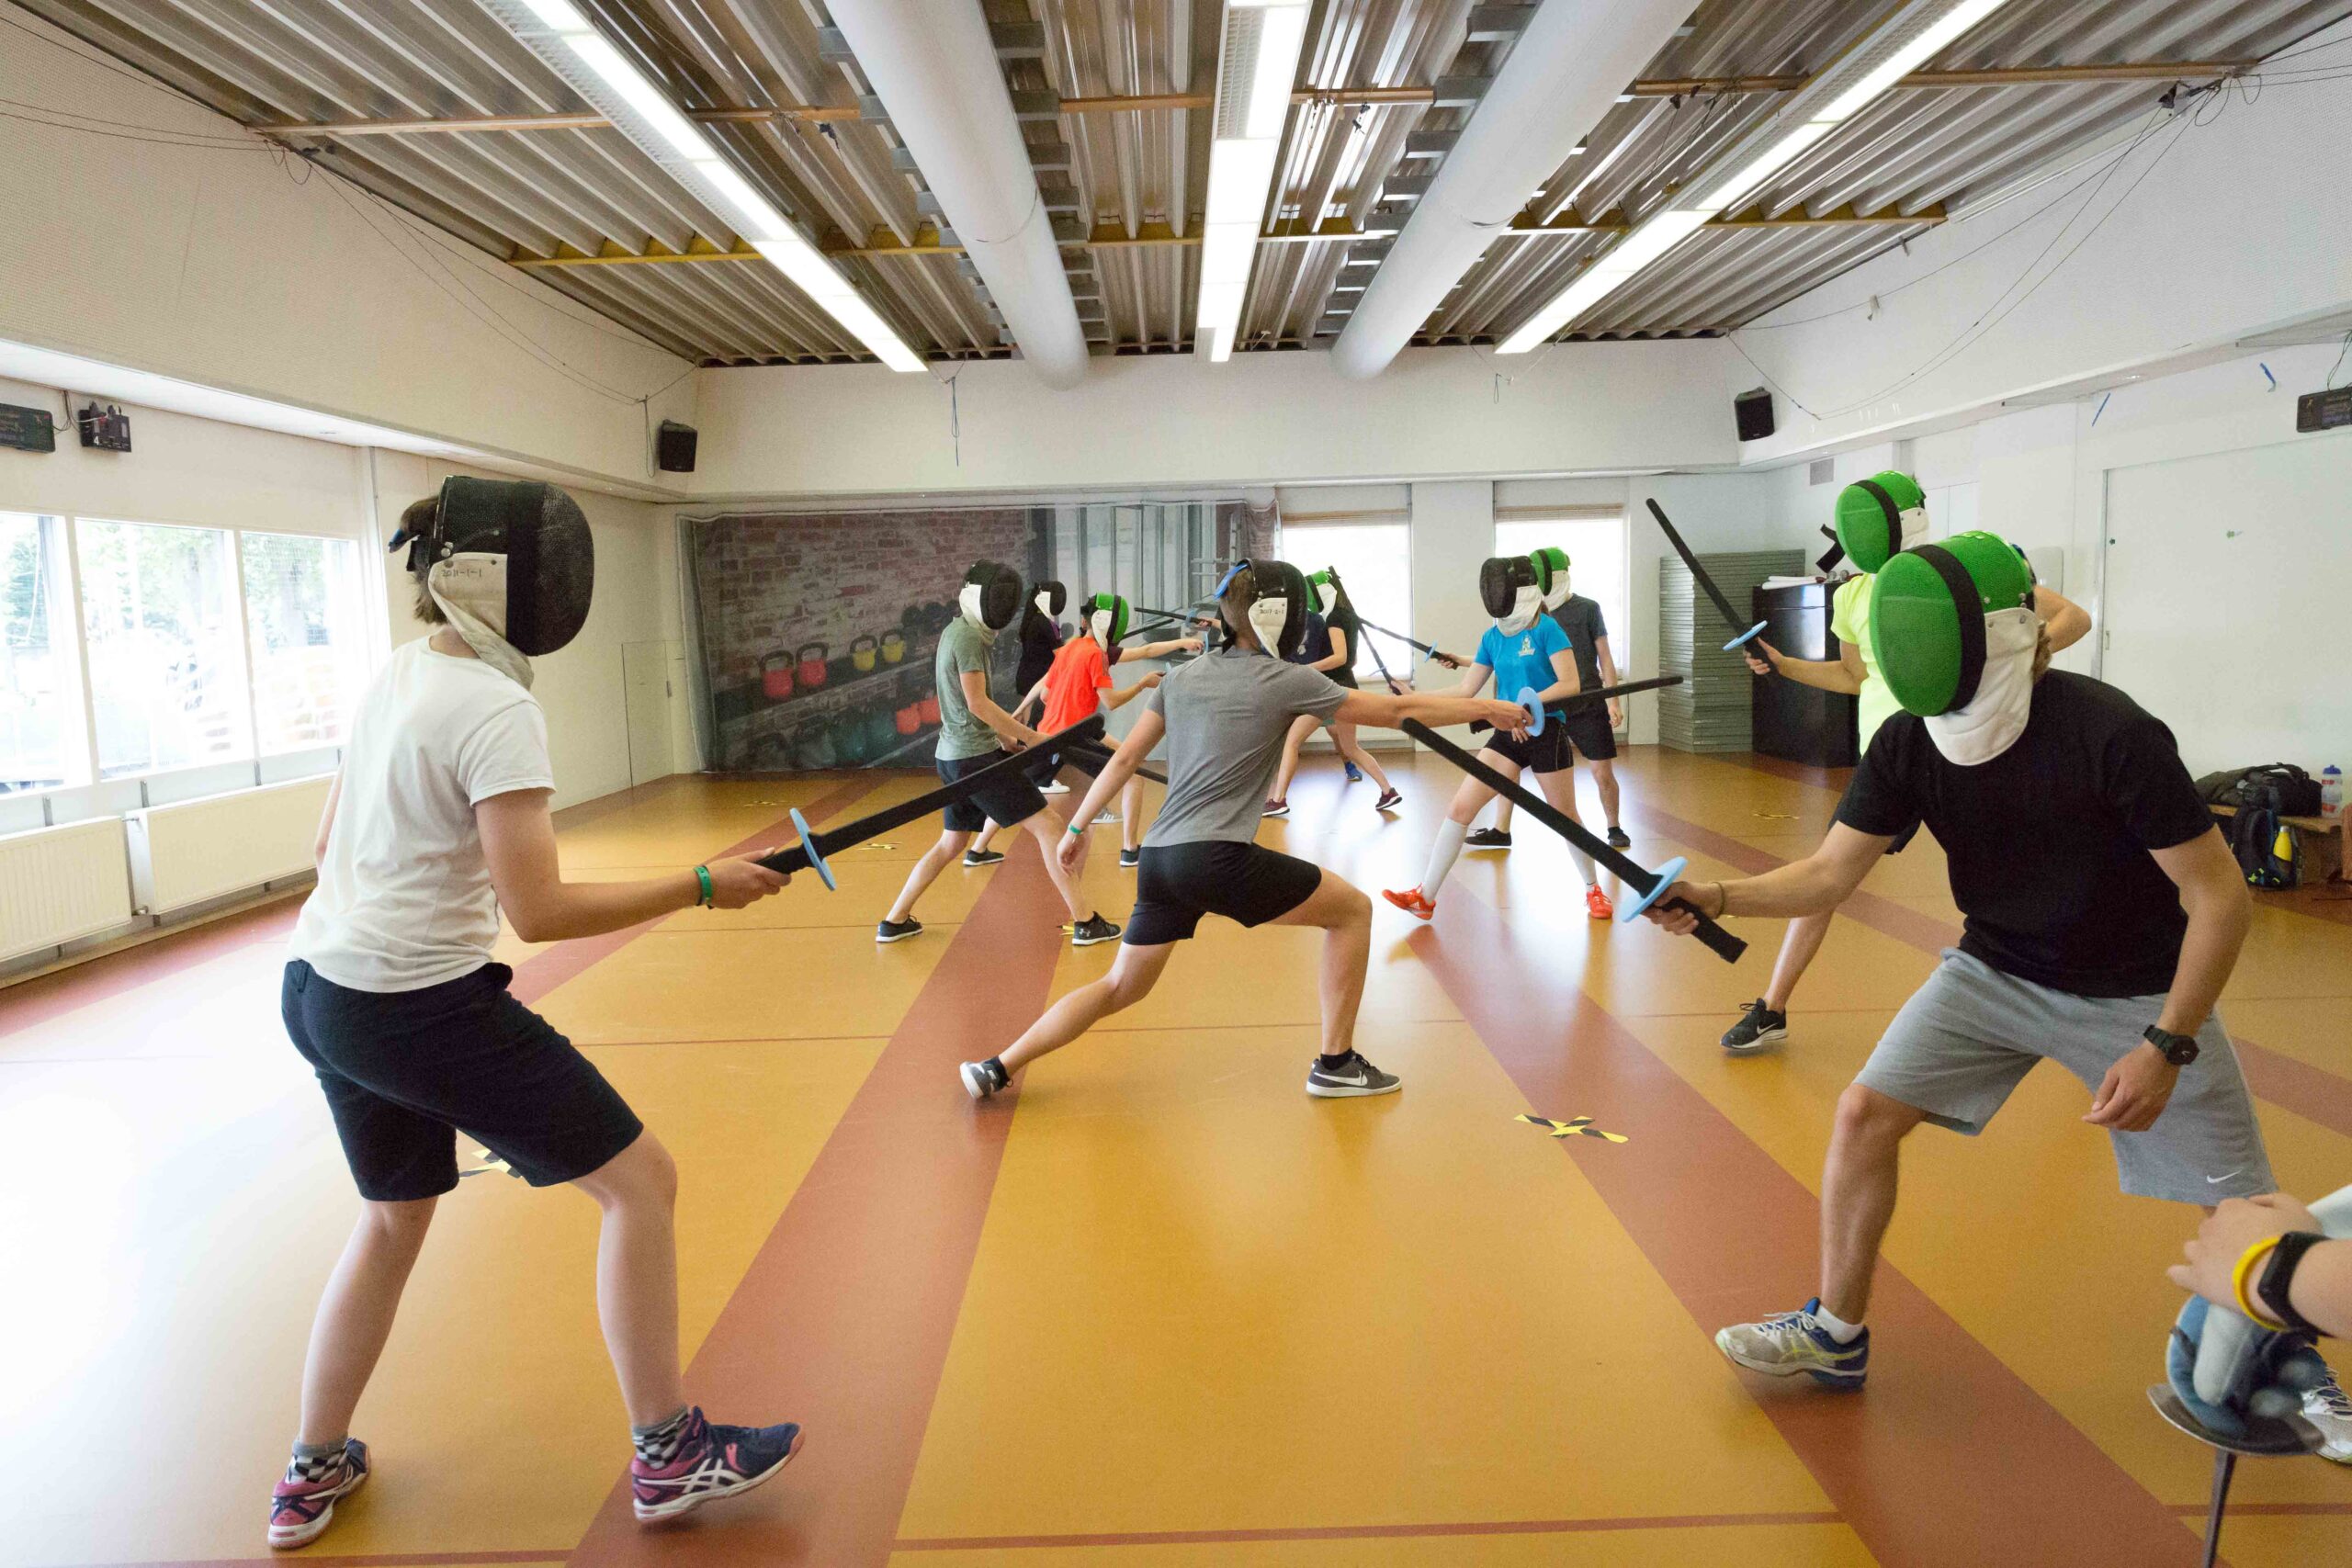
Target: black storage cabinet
{"type": "Point", "coordinates": [1794, 722]}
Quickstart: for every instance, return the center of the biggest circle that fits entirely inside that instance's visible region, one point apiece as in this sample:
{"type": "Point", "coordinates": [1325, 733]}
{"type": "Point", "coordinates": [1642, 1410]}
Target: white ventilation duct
{"type": "Point", "coordinates": [1566, 69]}
{"type": "Point", "coordinates": [935, 69]}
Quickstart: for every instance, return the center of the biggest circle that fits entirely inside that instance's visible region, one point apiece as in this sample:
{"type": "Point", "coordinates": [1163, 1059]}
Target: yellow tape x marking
{"type": "Point", "coordinates": [1574, 1127]}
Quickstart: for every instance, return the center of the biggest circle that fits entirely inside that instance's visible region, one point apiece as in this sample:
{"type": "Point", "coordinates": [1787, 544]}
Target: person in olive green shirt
{"type": "Point", "coordinates": [1855, 673]}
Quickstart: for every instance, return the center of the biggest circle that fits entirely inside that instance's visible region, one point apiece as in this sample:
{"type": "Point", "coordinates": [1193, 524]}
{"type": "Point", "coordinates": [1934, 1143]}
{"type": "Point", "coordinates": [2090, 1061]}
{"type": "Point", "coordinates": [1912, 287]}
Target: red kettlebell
{"type": "Point", "coordinates": [812, 663]}
{"type": "Point", "coordinates": [775, 676]}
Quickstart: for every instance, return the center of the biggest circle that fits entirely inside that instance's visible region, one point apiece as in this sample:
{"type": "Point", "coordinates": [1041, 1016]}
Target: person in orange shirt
{"type": "Point", "coordinates": [1078, 686]}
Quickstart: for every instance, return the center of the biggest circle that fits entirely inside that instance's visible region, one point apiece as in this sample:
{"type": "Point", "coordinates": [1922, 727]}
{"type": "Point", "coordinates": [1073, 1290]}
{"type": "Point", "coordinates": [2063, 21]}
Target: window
{"type": "Point", "coordinates": [40, 705]}
{"type": "Point", "coordinates": [1376, 561]}
{"type": "Point", "coordinates": [1596, 546]}
{"type": "Point", "coordinates": [167, 677]}
{"type": "Point", "coordinates": [302, 637]}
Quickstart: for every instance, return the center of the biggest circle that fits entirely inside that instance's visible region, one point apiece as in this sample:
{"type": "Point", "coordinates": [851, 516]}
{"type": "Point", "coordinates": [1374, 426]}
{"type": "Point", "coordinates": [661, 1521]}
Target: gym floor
{"type": "Point", "coordinates": [1160, 1308]}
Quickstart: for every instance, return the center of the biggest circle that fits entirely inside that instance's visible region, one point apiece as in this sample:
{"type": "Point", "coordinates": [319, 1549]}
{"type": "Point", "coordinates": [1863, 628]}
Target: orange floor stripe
{"type": "Point", "coordinates": [1734, 1237]}
{"type": "Point", "coordinates": [842, 1335]}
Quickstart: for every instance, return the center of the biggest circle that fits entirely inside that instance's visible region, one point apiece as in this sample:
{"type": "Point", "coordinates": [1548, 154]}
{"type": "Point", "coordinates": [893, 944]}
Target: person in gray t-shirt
{"type": "Point", "coordinates": [1225, 716]}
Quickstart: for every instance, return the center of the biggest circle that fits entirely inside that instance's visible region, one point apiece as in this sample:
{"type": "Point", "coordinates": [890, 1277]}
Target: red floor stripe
{"type": "Point", "coordinates": [1949, 1459]}
{"type": "Point", "coordinates": [1357, 1532]}
{"type": "Point", "coordinates": [843, 1319]}
{"type": "Point", "coordinates": [544, 971]}
{"type": "Point", "coordinates": [363, 1560]}
{"type": "Point", "coordinates": [29, 1003]}
{"type": "Point", "coordinates": [2286, 1082]}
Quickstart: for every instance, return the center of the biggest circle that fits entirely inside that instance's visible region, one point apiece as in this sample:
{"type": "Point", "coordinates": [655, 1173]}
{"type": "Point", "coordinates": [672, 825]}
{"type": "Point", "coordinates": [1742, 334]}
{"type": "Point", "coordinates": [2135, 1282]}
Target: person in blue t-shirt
{"type": "Point", "coordinates": [1524, 648]}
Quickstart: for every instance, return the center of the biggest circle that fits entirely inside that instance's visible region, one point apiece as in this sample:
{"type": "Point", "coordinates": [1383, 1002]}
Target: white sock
{"type": "Point", "coordinates": [1839, 1330]}
{"type": "Point", "coordinates": [1443, 854]}
{"type": "Point", "coordinates": [1584, 864]}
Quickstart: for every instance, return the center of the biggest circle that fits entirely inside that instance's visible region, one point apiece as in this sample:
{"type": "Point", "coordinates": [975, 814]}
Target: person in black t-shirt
{"type": "Point", "coordinates": [1041, 638]}
{"type": "Point", "coordinates": [2103, 914]}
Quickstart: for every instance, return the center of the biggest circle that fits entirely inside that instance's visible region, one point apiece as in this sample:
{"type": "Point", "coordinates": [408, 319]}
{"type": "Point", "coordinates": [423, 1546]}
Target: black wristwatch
{"type": "Point", "coordinates": [2179, 1049]}
{"type": "Point", "coordinates": [2277, 1284]}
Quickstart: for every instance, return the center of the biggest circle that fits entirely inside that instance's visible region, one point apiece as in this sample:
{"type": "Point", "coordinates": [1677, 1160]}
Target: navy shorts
{"type": "Point", "coordinates": [1248, 884]}
{"type": "Point", "coordinates": [405, 1071]}
{"type": "Point", "coordinates": [1007, 798]}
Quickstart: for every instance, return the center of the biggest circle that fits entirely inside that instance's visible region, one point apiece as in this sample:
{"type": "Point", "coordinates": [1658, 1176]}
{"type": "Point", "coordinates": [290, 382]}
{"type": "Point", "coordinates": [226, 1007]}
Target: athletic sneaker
{"type": "Point", "coordinates": [1276, 809]}
{"type": "Point", "coordinates": [897, 931]}
{"type": "Point", "coordinates": [1796, 1342]}
{"type": "Point", "coordinates": [1105, 815]}
{"type": "Point", "coordinates": [2329, 1408]}
{"type": "Point", "coordinates": [1487, 839]}
{"type": "Point", "coordinates": [983, 1080]}
{"type": "Point", "coordinates": [1091, 929]}
{"type": "Point", "coordinates": [1390, 799]}
{"type": "Point", "coordinates": [1355, 774]}
{"type": "Point", "coordinates": [1130, 859]}
{"type": "Point", "coordinates": [1057, 787]}
{"type": "Point", "coordinates": [1597, 904]}
{"type": "Point", "coordinates": [711, 1462]}
{"type": "Point", "coordinates": [1350, 1079]}
{"type": "Point", "coordinates": [1617, 838]}
{"type": "Point", "coordinates": [982, 857]}
{"type": "Point", "coordinates": [303, 1506]}
{"type": "Point", "coordinates": [1757, 1028]}
{"type": "Point", "coordinates": [1410, 901]}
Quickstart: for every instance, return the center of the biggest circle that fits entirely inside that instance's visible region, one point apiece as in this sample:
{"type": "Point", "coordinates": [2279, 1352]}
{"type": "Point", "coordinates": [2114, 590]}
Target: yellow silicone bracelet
{"type": "Point", "coordinates": [2248, 1261]}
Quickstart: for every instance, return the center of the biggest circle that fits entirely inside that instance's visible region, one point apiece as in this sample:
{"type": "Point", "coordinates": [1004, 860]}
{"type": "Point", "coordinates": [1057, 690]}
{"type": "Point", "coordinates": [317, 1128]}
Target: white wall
{"type": "Point", "coordinates": [1258, 419]}
{"type": "Point", "coordinates": [213, 264]}
{"type": "Point", "coordinates": [2231, 232]}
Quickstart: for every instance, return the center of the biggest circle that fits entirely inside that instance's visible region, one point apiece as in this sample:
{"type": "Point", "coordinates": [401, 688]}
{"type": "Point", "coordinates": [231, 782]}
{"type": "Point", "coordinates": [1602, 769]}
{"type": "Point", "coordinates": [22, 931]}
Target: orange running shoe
{"type": "Point", "coordinates": [1597, 904]}
{"type": "Point", "coordinates": [1410, 901]}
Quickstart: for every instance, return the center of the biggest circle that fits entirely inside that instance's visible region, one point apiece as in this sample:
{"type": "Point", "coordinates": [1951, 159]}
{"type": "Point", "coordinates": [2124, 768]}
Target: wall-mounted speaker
{"type": "Point", "coordinates": [673, 447]}
{"type": "Point", "coordinates": [1754, 413]}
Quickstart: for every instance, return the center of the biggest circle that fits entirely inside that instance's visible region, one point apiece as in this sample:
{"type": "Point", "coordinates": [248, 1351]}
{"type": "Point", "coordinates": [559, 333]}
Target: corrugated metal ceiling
{"type": "Point", "coordinates": [1133, 181]}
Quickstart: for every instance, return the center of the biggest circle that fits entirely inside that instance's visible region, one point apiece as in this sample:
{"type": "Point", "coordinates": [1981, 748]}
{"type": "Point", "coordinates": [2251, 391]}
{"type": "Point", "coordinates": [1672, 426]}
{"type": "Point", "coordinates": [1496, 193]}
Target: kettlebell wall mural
{"type": "Point", "coordinates": [818, 632]}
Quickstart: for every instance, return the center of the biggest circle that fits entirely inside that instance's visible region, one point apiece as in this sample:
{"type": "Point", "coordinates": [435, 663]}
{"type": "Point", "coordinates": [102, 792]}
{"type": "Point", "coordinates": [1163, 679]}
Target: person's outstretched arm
{"type": "Point", "coordinates": [518, 844]}
{"type": "Point", "coordinates": [1813, 886]}
{"type": "Point", "coordinates": [1162, 649]}
{"type": "Point", "coordinates": [1843, 673]}
{"type": "Point", "coordinates": [1391, 710]}
{"type": "Point", "coordinates": [1120, 697]}
{"type": "Point", "coordinates": [2322, 1287]}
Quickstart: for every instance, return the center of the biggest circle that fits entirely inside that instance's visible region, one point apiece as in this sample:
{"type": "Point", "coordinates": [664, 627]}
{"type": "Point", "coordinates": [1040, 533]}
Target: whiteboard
{"type": "Point", "coordinates": [2228, 588]}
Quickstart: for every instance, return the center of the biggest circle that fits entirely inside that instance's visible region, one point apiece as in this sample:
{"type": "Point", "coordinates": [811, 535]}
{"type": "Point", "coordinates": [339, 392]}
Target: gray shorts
{"type": "Point", "coordinates": [1966, 1037]}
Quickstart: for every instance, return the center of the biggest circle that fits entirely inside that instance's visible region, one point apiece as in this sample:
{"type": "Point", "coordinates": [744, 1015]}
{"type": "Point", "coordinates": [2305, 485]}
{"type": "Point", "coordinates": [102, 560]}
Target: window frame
{"type": "Point", "coordinates": [1309, 523]}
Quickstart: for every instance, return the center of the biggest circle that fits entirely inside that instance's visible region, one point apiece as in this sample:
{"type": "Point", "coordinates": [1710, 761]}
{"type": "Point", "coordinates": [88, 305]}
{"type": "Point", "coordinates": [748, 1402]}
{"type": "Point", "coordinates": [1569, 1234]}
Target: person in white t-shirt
{"type": "Point", "coordinates": [437, 820]}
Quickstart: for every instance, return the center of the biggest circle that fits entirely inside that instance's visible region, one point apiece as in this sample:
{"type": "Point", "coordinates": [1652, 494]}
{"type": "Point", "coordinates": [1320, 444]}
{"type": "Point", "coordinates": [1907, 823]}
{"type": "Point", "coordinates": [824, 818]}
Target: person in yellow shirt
{"type": "Point", "coordinates": [1877, 518]}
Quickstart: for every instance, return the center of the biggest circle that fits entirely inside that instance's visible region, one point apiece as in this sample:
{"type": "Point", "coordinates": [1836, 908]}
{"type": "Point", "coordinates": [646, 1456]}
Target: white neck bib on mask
{"type": "Point", "coordinates": [1267, 617]}
{"type": "Point", "coordinates": [1522, 614]}
{"type": "Point", "coordinates": [471, 591]}
{"type": "Point", "coordinates": [968, 601]}
{"type": "Point", "coordinates": [1996, 715]}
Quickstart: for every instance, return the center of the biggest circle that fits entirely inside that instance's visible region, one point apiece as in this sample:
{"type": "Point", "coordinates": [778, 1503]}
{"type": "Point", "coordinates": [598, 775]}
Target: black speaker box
{"type": "Point", "coordinates": [1754, 413]}
{"type": "Point", "coordinates": [673, 447]}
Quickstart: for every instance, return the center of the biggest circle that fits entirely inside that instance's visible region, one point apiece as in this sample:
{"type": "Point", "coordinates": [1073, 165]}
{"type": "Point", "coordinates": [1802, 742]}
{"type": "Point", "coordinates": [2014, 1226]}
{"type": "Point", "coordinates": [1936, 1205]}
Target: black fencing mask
{"type": "Point", "coordinates": [1278, 613]}
{"type": "Point", "coordinates": [510, 563]}
{"type": "Point", "coordinates": [991, 596]}
{"type": "Point", "coordinates": [1050, 598]}
{"type": "Point", "coordinates": [1506, 587]}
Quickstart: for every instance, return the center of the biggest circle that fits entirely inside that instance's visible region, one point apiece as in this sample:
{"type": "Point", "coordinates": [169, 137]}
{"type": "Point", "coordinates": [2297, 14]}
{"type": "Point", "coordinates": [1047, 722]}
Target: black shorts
{"type": "Point", "coordinates": [1248, 883]}
{"type": "Point", "coordinates": [1588, 730]}
{"type": "Point", "coordinates": [1005, 799]}
{"type": "Point", "coordinates": [1049, 762]}
{"type": "Point", "coordinates": [405, 1070]}
{"type": "Point", "coordinates": [1544, 754]}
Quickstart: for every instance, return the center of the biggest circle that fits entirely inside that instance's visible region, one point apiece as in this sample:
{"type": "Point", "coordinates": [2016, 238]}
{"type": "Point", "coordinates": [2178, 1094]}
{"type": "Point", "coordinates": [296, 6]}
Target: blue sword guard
{"type": "Point", "coordinates": [1666, 875]}
{"type": "Point", "coordinates": [808, 847]}
{"type": "Point", "coordinates": [1532, 701]}
{"type": "Point", "coordinates": [1744, 639]}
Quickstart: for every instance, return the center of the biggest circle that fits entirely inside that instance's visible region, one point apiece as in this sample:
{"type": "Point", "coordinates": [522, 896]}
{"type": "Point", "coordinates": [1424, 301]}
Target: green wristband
{"type": "Point", "coordinates": [1076, 832]}
{"type": "Point", "coordinates": [709, 896]}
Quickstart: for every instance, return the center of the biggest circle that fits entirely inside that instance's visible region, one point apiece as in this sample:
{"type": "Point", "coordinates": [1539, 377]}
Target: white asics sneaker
{"type": "Point", "coordinates": [2329, 1408]}
{"type": "Point", "coordinates": [1793, 1342]}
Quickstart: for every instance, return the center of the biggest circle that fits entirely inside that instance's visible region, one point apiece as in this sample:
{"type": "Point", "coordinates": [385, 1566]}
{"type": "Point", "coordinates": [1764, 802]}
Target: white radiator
{"type": "Point", "coordinates": [197, 850]}
{"type": "Point", "coordinates": [58, 884]}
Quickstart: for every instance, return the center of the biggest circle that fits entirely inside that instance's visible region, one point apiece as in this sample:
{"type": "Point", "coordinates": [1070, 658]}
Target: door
{"type": "Point", "coordinates": [645, 689]}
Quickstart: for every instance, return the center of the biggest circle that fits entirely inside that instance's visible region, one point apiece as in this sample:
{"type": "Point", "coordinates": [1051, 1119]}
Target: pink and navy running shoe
{"type": "Point", "coordinates": [711, 1462]}
{"type": "Point", "coordinates": [303, 1505]}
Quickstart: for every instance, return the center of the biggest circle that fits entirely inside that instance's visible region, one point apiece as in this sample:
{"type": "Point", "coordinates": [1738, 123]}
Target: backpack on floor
{"type": "Point", "coordinates": [2282, 786]}
{"type": "Point", "coordinates": [2265, 853]}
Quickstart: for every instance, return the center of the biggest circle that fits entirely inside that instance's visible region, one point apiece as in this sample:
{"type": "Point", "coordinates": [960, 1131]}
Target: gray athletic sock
{"type": "Point", "coordinates": [1443, 854]}
{"type": "Point", "coordinates": [657, 1445]}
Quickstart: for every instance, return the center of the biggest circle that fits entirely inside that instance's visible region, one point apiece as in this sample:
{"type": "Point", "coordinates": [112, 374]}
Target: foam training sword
{"type": "Point", "coordinates": [1650, 886]}
{"type": "Point", "coordinates": [811, 852]}
{"type": "Point", "coordinates": [1699, 575]}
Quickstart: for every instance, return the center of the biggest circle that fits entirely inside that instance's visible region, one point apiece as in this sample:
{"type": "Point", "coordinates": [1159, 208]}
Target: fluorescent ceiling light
{"type": "Point", "coordinates": [1279, 38]}
{"type": "Point", "coordinates": [1257, 62]}
{"type": "Point", "coordinates": [643, 96]}
{"type": "Point", "coordinates": [665, 134]}
{"type": "Point", "coordinates": [1661, 232]}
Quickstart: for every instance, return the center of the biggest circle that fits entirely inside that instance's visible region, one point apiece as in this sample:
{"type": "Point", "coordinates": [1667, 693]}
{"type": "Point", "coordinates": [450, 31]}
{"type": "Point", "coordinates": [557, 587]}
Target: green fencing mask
{"type": "Point", "coordinates": [1551, 575]}
{"type": "Point", "coordinates": [1880, 517]}
{"type": "Point", "coordinates": [1955, 632]}
{"type": "Point", "coordinates": [1106, 618]}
